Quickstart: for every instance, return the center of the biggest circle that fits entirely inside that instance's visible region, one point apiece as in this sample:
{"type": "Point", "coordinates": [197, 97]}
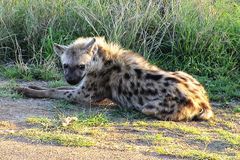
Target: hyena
{"type": "Point", "coordinates": [105, 70]}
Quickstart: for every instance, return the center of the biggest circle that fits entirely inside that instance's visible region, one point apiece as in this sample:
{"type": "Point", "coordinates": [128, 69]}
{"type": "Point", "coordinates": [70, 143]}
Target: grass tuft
{"type": "Point", "coordinates": [236, 109]}
{"type": "Point", "coordinates": [189, 153]}
{"type": "Point", "coordinates": [57, 137]}
{"type": "Point", "coordinates": [232, 138]}
{"type": "Point", "coordinates": [39, 120]}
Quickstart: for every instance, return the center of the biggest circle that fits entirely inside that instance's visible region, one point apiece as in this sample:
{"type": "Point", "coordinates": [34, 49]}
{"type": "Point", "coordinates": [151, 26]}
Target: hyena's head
{"type": "Point", "coordinates": [75, 58]}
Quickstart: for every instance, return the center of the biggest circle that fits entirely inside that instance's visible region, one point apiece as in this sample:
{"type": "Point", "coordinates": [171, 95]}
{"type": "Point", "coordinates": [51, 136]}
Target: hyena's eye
{"type": "Point", "coordinates": [81, 66]}
{"type": "Point", "coordinates": [65, 66]}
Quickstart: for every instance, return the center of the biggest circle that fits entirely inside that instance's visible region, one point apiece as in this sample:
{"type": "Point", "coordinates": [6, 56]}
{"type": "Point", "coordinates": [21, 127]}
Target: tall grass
{"type": "Point", "coordinates": [199, 36]}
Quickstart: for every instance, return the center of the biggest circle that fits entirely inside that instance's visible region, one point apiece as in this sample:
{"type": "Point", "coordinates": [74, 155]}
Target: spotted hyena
{"type": "Point", "coordinates": [105, 70]}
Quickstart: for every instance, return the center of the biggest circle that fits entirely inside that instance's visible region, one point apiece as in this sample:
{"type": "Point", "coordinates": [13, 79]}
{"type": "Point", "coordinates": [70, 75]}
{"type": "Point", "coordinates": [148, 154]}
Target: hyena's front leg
{"type": "Point", "coordinates": [74, 95]}
{"type": "Point", "coordinates": [58, 88]}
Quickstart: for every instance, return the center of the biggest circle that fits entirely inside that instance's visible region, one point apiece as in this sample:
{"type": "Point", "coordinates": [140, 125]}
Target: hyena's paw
{"type": "Point", "coordinates": [22, 90]}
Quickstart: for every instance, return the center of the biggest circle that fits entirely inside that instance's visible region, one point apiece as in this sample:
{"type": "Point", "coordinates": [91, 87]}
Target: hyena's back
{"type": "Point", "coordinates": [165, 95]}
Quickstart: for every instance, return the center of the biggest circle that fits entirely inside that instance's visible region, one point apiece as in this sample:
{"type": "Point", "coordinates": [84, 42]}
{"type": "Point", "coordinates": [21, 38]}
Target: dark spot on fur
{"type": "Point", "coordinates": [120, 87]}
{"type": "Point", "coordinates": [160, 104]}
{"type": "Point", "coordinates": [138, 84]}
{"type": "Point", "coordinates": [197, 97]}
{"type": "Point", "coordinates": [164, 90]}
{"type": "Point", "coordinates": [151, 92]}
{"type": "Point", "coordinates": [79, 92]}
{"type": "Point", "coordinates": [69, 95]}
{"type": "Point", "coordinates": [197, 84]}
{"type": "Point", "coordinates": [138, 72]}
{"type": "Point", "coordinates": [92, 74]}
{"type": "Point", "coordinates": [87, 95]}
{"type": "Point", "coordinates": [165, 103]}
{"type": "Point", "coordinates": [65, 93]}
{"type": "Point", "coordinates": [142, 91]}
{"type": "Point", "coordinates": [130, 94]}
{"type": "Point", "coordinates": [189, 102]}
{"type": "Point", "coordinates": [126, 76]}
{"type": "Point", "coordinates": [172, 79]}
{"type": "Point", "coordinates": [194, 91]}
{"type": "Point", "coordinates": [140, 100]}
{"type": "Point", "coordinates": [83, 87]}
{"type": "Point", "coordinates": [183, 78]}
{"type": "Point", "coordinates": [153, 76]}
{"type": "Point", "coordinates": [149, 84]}
{"type": "Point", "coordinates": [116, 68]}
{"type": "Point", "coordinates": [183, 100]}
{"type": "Point", "coordinates": [149, 107]}
{"type": "Point", "coordinates": [109, 62]}
{"type": "Point", "coordinates": [124, 92]}
{"type": "Point", "coordinates": [167, 112]}
{"type": "Point", "coordinates": [176, 99]}
{"type": "Point", "coordinates": [107, 87]}
{"type": "Point", "coordinates": [135, 91]}
{"type": "Point", "coordinates": [105, 79]}
{"type": "Point", "coordinates": [186, 85]}
{"type": "Point", "coordinates": [120, 81]}
{"type": "Point", "coordinates": [132, 85]}
{"type": "Point", "coordinates": [204, 105]}
{"type": "Point", "coordinates": [166, 84]}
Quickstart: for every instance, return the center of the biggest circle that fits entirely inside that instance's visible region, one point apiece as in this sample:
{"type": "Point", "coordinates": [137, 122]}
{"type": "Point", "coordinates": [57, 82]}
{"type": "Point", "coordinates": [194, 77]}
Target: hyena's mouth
{"type": "Point", "coordinates": [75, 81]}
{"type": "Point", "coordinates": [82, 78]}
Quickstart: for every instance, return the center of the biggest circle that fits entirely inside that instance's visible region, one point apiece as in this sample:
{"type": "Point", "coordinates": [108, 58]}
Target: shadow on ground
{"type": "Point", "coordinates": [52, 129]}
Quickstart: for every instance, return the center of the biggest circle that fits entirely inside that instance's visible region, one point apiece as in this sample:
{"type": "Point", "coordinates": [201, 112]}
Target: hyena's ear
{"type": "Point", "coordinates": [90, 44]}
{"type": "Point", "coordinates": [59, 49]}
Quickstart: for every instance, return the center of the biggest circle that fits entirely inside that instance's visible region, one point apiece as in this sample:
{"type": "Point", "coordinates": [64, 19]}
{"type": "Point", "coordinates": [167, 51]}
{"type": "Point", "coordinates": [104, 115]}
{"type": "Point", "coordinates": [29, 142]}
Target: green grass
{"type": "Point", "coordinates": [203, 138]}
{"type": "Point", "coordinates": [99, 119]}
{"type": "Point", "coordinates": [222, 89]}
{"type": "Point", "coordinates": [237, 109]}
{"type": "Point", "coordinates": [232, 138]}
{"type": "Point", "coordinates": [64, 105]}
{"type": "Point", "coordinates": [57, 137]}
{"type": "Point", "coordinates": [6, 90]}
{"type": "Point", "coordinates": [57, 83]}
{"type": "Point", "coordinates": [160, 138]}
{"type": "Point", "coordinates": [45, 122]}
{"type": "Point", "coordinates": [172, 139]}
{"type": "Point", "coordinates": [190, 153]}
{"type": "Point", "coordinates": [199, 37]}
{"type": "Point", "coordinates": [39, 72]}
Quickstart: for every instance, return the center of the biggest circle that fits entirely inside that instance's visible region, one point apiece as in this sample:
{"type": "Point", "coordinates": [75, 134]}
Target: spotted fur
{"type": "Point", "coordinates": [105, 70]}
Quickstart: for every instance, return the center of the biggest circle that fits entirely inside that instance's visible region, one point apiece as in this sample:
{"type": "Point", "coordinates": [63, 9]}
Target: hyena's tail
{"type": "Point", "coordinates": [206, 114]}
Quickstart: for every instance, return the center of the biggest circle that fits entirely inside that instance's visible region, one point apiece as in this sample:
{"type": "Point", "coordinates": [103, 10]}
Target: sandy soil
{"type": "Point", "coordinates": [15, 111]}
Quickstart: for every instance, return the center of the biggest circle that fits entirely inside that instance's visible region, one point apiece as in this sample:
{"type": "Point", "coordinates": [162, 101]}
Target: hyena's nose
{"type": "Point", "coordinates": [72, 81]}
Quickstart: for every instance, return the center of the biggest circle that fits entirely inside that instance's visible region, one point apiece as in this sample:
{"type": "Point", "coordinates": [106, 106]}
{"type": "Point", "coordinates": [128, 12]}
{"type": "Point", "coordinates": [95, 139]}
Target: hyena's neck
{"type": "Point", "coordinates": [124, 58]}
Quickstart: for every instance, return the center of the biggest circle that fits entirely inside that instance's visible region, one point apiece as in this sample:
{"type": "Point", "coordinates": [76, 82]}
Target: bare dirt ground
{"type": "Point", "coordinates": [128, 140]}
{"type": "Point", "coordinates": [15, 111]}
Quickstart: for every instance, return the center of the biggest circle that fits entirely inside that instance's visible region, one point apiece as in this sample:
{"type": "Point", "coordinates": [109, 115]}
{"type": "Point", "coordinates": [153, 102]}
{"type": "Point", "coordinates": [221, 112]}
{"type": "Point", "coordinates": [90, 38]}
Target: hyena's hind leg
{"type": "Point", "coordinates": [160, 110]}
